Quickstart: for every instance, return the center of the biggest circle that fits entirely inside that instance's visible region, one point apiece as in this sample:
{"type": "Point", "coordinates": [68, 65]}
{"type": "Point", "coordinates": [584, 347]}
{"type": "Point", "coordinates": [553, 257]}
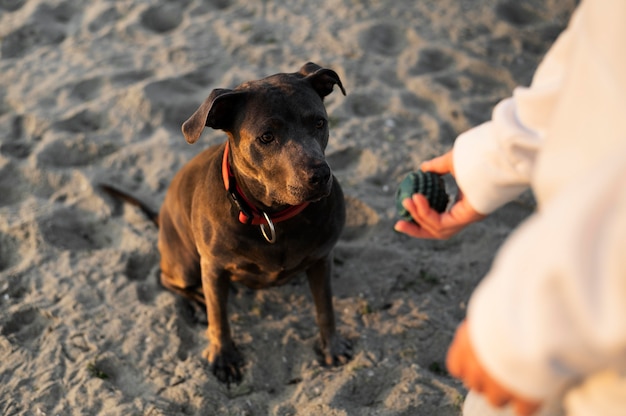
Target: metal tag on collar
{"type": "Point", "coordinates": [272, 237]}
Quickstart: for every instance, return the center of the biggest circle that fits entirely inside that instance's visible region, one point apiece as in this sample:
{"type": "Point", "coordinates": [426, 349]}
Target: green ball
{"type": "Point", "coordinates": [429, 184]}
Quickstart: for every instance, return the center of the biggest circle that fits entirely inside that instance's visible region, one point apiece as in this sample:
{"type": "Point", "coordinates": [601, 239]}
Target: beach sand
{"type": "Point", "coordinates": [96, 91]}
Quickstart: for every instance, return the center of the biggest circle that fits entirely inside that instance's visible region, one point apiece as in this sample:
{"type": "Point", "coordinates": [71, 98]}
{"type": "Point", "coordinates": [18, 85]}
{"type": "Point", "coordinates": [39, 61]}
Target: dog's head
{"type": "Point", "coordinates": [278, 131]}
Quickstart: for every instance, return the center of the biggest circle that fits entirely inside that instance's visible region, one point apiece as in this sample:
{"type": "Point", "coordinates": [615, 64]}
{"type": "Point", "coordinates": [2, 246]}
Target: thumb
{"type": "Point", "coordinates": [442, 164]}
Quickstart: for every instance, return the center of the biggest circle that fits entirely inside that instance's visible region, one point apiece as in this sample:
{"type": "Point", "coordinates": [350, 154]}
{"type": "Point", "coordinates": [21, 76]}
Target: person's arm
{"type": "Point", "coordinates": [551, 311]}
{"type": "Point", "coordinates": [463, 364]}
{"type": "Point", "coordinates": [493, 163]}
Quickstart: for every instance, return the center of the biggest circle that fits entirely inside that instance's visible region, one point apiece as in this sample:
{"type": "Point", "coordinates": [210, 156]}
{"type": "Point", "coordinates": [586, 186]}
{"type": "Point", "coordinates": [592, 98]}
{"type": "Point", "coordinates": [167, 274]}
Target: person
{"type": "Point", "coordinates": [548, 322]}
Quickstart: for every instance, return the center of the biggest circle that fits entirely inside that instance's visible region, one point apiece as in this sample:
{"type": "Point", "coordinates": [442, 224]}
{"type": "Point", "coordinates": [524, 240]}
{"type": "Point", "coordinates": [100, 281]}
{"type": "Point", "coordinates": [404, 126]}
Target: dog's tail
{"type": "Point", "coordinates": [119, 194]}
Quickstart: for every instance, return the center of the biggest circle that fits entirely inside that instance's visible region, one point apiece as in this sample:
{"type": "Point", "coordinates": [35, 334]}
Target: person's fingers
{"type": "Point", "coordinates": [463, 364]}
{"type": "Point", "coordinates": [442, 164]}
{"type": "Point", "coordinates": [409, 205]}
{"type": "Point", "coordinates": [430, 224]}
{"type": "Point", "coordinates": [498, 396]}
{"type": "Point", "coordinates": [469, 368]}
{"type": "Point", "coordinates": [494, 394]}
{"type": "Point", "coordinates": [462, 213]}
{"type": "Point", "coordinates": [412, 229]}
{"type": "Point", "coordinates": [425, 216]}
{"type": "Point", "coordinates": [472, 375]}
{"type": "Point", "coordinates": [445, 225]}
{"type": "Point", "coordinates": [427, 221]}
{"type": "Point", "coordinates": [455, 357]}
{"type": "Point", "coordinates": [525, 408]}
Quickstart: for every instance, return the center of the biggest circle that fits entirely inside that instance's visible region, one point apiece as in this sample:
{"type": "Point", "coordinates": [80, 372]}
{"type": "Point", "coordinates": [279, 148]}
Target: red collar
{"type": "Point", "coordinates": [248, 213]}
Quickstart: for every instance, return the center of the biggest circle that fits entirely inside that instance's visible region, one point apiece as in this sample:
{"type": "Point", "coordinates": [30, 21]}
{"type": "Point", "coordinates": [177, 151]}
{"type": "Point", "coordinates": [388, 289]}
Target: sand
{"type": "Point", "coordinates": [96, 91]}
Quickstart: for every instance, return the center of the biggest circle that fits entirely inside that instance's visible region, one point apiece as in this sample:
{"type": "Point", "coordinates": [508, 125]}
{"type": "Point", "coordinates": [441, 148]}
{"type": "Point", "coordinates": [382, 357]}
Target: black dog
{"type": "Point", "coordinates": [258, 209]}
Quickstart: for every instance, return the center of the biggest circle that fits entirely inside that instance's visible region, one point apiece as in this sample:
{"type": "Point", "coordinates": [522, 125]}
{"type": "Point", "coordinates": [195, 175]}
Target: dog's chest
{"type": "Point", "coordinates": [257, 271]}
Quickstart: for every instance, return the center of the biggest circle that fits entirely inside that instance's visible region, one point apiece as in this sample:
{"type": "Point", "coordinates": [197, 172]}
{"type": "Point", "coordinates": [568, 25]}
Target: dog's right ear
{"type": "Point", "coordinates": [321, 79]}
{"type": "Point", "coordinates": [218, 111]}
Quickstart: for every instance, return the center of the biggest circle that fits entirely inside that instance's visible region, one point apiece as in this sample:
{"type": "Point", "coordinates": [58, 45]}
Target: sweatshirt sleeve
{"type": "Point", "coordinates": [494, 161]}
{"type": "Point", "coordinates": [551, 311]}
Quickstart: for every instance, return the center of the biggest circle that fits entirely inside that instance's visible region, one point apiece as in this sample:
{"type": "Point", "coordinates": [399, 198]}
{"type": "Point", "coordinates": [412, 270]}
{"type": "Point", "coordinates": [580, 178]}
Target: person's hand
{"type": "Point", "coordinates": [463, 364]}
{"type": "Point", "coordinates": [428, 222]}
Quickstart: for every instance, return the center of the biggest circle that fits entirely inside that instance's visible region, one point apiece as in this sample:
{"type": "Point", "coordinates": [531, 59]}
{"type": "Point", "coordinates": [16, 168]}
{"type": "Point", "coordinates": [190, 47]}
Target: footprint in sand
{"type": "Point", "coordinates": [69, 229]}
{"type": "Point", "coordinates": [11, 5]}
{"type": "Point", "coordinates": [344, 158]}
{"type": "Point", "coordinates": [485, 84]}
{"type": "Point", "coordinates": [11, 189]}
{"type": "Point", "coordinates": [479, 111]}
{"type": "Point", "coordinates": [416, 102]}
{"type": "Point", "coordinates": [360, 219]}
{"type": "Point", "coordinates": [169, 100]}
{"type": "Point", "coordinates": [24, 326]}
{"type": "Point", "coordinates": [162, 18]}
{"type": "Point", "coordinates": [80, 151]}
{"type": "Point", "coordinates": [383, 38]}
{"type": "Point", "coordinates": [46, 28]}
{"type": "Point", "coordinates": [77, 149]}
{"type": "Point", "coordinates": [9, 252]}
{"type": "Point", "coordinates": [432, 60]}
{"type": "Point", "coordinates": [124, 79]}
{"type": "Point", "coordinates": [104, 19]}
{"type": "Point", "coordinates": [87, 89]}
{"type": "Point", "coordinates": [82, 122]}
{"type": "Point", "coordinates": [140, 265]}
{"type": "Point", "coordinates": [517, 13]}
{"type": "Point", "coordinates": [208, 6]}
{"type": "Point", "coordinates": [472, 82]}
{"type": "Point", "coordinates": [201, 77]}
{"type": "Point", "coordinates": [16, 149]}
{"type": "Point", "coordinates": [19, 42]}
{"type": "Point", "coordinates": [21, 133]}
{"type": "Point", "coordinates": [364, 105]}
{"type": "Point", "coordinates": [185, 327]}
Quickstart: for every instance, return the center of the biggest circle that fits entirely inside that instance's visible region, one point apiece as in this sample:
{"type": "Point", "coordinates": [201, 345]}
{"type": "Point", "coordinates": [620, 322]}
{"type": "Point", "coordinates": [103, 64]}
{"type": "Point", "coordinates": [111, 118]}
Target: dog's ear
{"type": "Point", "coordinates": [218, 111]}
{"type": "Point", "coordinates": [321, 79]}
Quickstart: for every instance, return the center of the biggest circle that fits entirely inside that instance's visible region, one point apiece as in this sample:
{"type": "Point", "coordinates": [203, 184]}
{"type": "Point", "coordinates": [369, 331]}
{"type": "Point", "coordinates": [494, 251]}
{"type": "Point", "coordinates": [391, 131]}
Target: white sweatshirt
{"type": "Point", "coordinates": [551, 314]}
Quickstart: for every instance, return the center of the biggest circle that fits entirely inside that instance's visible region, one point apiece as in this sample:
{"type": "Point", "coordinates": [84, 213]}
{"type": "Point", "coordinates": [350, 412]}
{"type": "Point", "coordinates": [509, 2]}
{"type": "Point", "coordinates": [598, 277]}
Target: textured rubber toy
{"type": "Point", "coordinates": [429, 184]}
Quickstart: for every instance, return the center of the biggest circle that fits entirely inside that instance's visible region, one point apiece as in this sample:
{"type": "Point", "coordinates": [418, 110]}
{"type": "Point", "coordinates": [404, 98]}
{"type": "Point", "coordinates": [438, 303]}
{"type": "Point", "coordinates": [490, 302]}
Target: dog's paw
{"type": "Point", "coordinates": [337, 351]}
{"type": "Point", "coordinates": [225, 363]}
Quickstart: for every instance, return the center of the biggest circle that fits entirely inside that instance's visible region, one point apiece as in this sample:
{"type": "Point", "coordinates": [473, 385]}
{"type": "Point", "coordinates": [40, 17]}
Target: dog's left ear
{"type": "Point", "coordinates": [217, 111]}
{"type": "Point", "coordinates": [321, 79]}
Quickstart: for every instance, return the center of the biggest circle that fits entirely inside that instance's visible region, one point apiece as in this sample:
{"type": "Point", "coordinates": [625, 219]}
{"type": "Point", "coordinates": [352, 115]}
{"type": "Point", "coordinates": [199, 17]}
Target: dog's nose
{"type": "Point", "coordinates": [320, 174]}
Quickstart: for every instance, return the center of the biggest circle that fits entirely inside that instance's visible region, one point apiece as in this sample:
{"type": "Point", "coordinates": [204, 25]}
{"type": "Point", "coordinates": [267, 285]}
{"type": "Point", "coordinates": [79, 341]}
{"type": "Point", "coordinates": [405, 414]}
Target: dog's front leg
{"type": "Point", "coordinates": [334, 349]}
{"type": "Point", "coordinates": [224, 358]}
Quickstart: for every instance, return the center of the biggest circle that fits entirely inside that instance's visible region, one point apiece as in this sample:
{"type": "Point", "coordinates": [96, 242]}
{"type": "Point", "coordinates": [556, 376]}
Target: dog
{"type": "Point", "coordinates": [257, 209]}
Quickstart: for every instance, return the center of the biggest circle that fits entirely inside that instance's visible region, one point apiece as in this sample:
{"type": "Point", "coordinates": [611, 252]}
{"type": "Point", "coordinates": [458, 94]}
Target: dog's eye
{"type": "Point", "coordinates": [266, 138]}
{"type": "Point", "coordinates": [320, 123]}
